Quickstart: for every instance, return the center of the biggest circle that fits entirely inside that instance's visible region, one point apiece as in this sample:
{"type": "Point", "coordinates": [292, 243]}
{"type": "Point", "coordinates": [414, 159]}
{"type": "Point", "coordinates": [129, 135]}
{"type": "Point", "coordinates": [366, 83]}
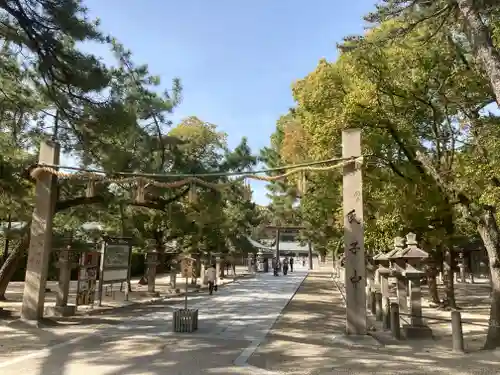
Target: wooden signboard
{"type": "Point", "coordinates": [187, 267]}
{"type": "Point", "coordinates": [87, 278]}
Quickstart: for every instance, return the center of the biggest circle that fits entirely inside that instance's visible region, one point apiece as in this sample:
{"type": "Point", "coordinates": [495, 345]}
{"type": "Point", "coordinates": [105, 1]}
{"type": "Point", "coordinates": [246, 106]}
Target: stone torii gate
{"type": "Point", "coordinates": [278, 229]}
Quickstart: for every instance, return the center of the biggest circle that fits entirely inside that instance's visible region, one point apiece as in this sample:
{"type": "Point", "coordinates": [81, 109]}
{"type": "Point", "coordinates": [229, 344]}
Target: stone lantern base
{"type": "Point", "coordinates": [417, 332]}
{"type": "Point", "coordinates": [60, 311]}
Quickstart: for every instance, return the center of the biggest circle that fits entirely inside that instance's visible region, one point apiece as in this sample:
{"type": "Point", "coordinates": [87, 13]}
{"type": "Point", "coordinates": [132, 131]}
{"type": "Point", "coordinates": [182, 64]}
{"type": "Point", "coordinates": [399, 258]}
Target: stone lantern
{"type": "Point", "coordinates": [382, 274]}
{"type": "Point", "coordinates": [414, 257]}
{"type": "Point", "coordinates": [394, 256]}
{"type": "Point", "coordinates": [371, 286]}
{"type": "Point", "coordinates": [412, 254]}
{"type": "Point", "coordinates": [397, 267]}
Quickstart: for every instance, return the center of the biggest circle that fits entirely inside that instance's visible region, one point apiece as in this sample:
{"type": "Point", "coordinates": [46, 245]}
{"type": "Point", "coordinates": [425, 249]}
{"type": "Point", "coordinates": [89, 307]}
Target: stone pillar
{"type": "Point", "coordinates": [402, 294]}
{"type": "Point", "coordinates": [249, 260]}
{"type": "Point", "coordinates": [370, 284]}
{"type": "Point", "coordinates": [415, 301]}
{"type": "Point", "coordinates": [384, 284]}
{"type": "Point", "coordinates": [355, 268]}
{"type": "Point", "coordinates": [384, 274]}
{"type": "Point", "coordinates": [41, 236]}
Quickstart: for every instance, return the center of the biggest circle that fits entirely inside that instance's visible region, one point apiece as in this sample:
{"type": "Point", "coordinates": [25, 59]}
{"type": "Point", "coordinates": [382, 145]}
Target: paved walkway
{"type": "Point", "coordinates": [112, 296]}
{"type": "Point", "coordinates": [233, 322]}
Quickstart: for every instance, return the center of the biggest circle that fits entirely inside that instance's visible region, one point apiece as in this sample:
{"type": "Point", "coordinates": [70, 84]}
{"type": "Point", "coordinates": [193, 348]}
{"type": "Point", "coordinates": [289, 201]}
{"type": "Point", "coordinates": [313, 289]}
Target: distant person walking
{"type": "Point", "coordinates": [285, 266]}
{"type": "Point", "coordinates": [274, 266]}
{"type": "Point", "coordinates": [211, 275]}
{"type": "Point", "coordinates": [291, 264]}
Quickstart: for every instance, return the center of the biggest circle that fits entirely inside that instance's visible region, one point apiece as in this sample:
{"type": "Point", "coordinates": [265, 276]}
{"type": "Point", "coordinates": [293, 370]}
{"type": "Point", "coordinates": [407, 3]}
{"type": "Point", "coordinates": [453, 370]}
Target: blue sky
{"type": "Point", "coordinates": [237, 59]}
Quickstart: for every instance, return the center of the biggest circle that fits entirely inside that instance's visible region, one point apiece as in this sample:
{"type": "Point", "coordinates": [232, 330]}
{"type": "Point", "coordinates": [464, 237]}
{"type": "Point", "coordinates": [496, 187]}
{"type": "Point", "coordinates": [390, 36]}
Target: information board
{"type": "Point", "coordinates": [87, 278]}
{"type": "Point", "coordinates": [115, 262]}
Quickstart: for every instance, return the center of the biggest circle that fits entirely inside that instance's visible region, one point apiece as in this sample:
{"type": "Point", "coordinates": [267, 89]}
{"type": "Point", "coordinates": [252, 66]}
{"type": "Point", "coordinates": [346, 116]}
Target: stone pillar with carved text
{"type": "Point", "coordinates": [41, 236]}
{"type": "Point", "coordinates": [355, 268]}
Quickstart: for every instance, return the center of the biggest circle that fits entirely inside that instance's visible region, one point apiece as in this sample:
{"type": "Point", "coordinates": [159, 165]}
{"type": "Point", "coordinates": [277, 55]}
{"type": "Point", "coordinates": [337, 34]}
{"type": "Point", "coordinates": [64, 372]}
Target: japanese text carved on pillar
{"type": "Point", "coordinates": [355, 267]}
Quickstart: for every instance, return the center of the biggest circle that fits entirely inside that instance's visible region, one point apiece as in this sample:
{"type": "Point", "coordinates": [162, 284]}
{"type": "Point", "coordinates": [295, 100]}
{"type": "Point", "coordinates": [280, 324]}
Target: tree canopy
{"type": "Point", "coordinates": [115, 118]}
{"type": "Point", "coordinates": [422, 84]}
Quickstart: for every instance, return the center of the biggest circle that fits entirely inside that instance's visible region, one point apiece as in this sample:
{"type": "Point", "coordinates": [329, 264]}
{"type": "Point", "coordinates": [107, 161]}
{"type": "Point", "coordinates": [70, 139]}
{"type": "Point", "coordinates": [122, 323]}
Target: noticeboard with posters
{"type": "Point", "coordinates": [187, 267]}
{"type": "Point", "coordinates": [116, 255]}
{"type": "Point", "coordinates": [87, 278]}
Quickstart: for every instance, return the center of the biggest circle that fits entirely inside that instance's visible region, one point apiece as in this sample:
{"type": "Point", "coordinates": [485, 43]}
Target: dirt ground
{"type": "Point", "coordinates": [307, 339]}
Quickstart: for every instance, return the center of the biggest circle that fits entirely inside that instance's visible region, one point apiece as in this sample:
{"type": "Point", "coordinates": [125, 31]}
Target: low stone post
{"type": "Point", "coordinates": [384, 273]}
{"type": "Point", "coordinates": [395, 328]}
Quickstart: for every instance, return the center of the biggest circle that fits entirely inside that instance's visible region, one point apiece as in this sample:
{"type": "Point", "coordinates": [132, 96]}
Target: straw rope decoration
{"type": "Point", "coordinates": [140, 182]}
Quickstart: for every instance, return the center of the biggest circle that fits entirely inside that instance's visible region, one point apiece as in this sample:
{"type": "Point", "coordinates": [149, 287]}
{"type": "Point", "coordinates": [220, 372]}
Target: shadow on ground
{"type": "Point", "coordinates": [140, 340]}
{"type": "Point", "coordinates": [301, 342]}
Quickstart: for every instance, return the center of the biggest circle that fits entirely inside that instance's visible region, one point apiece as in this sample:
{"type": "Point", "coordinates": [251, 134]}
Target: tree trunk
{"type": "Point", "coordinates": [222, 268]}
{"type": "Point", "coordinates": [432, 284]}
{"type": "Point", "coordinates": [7, 240]}
{"type": "Point", "coordinates": [124, 231]}
{"type": "Point", "coordinates": [10, 265]}
{"type": "Point", "coordinates": [480, 38]}
{"type": "Point", "coordinates": [449, 285]}
{"type": "Point", "coordinates": [488, 230]}
{"type": "Point", "coordinates": [158, 235]}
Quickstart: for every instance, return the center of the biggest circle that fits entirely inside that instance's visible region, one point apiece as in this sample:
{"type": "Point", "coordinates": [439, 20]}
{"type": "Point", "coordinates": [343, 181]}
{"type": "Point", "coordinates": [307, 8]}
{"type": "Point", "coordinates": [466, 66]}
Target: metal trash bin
{"type": "Point", "coordinates": [185, 320]}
